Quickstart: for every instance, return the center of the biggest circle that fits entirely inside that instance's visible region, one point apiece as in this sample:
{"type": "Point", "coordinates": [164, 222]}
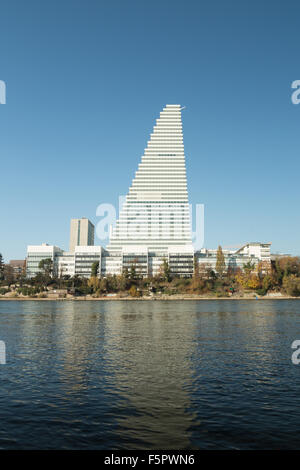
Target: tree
{"type": "Point", "coordinates": [132, 274]}
{"type": "Point", "coordinates": [248, 267]}
{"type": "Point", "coordinates": [220, 262]}
{"type": "Point", "coordinates": [95, 267]}
{"type": "Point", "coordinates": [166, 271]}
{"type": "Point", "coordinates": [46, 266]}
{"type": "Point", "coordinates": [291, 285]}
{"type": "Point", "coordinates": [134, 292]}
{"type": "Point", "coordinates": [125, 273]}
{"type": "Point", "coordinates": [123, 282]}
{"type": "Point", "coordinates": [95, 283]}
{"type": "Point", "coordinates": [9, 275]}
{"type": "Point", "coordinates": [196, 273]}
{"type": "Point", "coordinates": [288, 265]}
{"type": "Point", "coordinates": [1, 267]}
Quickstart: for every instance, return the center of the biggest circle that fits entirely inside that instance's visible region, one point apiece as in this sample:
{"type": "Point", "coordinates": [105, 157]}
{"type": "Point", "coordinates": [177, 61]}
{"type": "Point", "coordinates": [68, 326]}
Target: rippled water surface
{"type": "Point", "coordinates": [150, 375]}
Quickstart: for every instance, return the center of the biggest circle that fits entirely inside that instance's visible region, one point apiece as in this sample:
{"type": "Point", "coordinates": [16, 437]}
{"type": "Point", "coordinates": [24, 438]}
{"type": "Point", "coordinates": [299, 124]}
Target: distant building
{"type": "Point", "coordinates": [81, 233]}
{"type": "Point", "coordinates": [276, 256]}
{"type": "Point", "coordinates": [65, 263]}
{"type": "Point", "coordinates": [85, 257]}
{"type": "Point", "coordinates": [18, 265]}
{"type": "Point", "coordinates": [254, 253]}
{"type": "Point", "coordinates": [36, 253]}
{"type": "Point", "coordinates": [76, 263]}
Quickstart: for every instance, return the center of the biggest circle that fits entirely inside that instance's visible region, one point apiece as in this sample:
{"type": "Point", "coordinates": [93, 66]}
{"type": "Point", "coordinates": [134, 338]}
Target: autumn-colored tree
{"type": "Point", "coordinates": [196, 273]}
{"type": "Point", "coordinates": [134, 292]}
{"type": "Point", "coordinates": [248, 268]}
{"type": "Point", "coordinates": [125, 272]}
{"type": "Point", "coordinates": [288, 265]}
{"type": "Point", "coordinates": [291, 285]}
{"type": "Point", "coordinates": [253, 282]}
{"type": "Point", "coordinates": [95, 283]}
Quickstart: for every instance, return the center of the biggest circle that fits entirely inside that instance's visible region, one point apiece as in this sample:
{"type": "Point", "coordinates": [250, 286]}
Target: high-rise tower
{"type": "Point", "coordinates": [155, 214]}
{"type": "Point", "coordinates": [81, 233]}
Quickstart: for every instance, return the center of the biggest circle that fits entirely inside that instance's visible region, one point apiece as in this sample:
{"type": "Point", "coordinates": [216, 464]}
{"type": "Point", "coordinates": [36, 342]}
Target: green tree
{"type": "Point", "coordinates": [248, 267]}
{"type": "Point", "coordinates": [166, 271]}
{"type": "Point", "coordinates": [132, 274]}
{"type": "Point", "coordinates": [46, 266]}
{"type": "Point", "coordinates": [9, 275]}
{"type": "Point", "coordinates": [1, 267]}
{"type": "Point", "coordinates": [95, 267]}
{"type": "Point", "coordinates": [220, 262]}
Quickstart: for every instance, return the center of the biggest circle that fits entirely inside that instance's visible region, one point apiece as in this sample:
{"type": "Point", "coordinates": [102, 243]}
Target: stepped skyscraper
{"type": "Point", "coordinates": [156, 211]}
{"type": "Point", "coordinates": [154, 222]}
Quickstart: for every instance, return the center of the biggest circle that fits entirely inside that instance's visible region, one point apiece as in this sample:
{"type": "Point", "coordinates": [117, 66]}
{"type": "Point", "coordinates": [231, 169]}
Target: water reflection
{"type": "Point", "coordinates": [150, 356]}
{"type": "Point", "coordinates": [149, 375]}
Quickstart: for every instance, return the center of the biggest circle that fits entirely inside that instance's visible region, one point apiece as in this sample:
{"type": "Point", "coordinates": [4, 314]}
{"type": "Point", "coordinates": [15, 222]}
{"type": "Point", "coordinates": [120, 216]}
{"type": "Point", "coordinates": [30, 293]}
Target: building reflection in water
{"type": "Point", "coordinates": [148, 349]}
{"type": "Point", "coordinates": [151, 374]}
{"type": "Point", "coordinates": [129, 361]}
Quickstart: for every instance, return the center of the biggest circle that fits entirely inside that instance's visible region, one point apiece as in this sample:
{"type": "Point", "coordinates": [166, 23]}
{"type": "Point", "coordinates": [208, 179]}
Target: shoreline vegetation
{"type": "Point", "coordinates": [162, 298]}
{"type": "Point", "coordinates": [279, 279]}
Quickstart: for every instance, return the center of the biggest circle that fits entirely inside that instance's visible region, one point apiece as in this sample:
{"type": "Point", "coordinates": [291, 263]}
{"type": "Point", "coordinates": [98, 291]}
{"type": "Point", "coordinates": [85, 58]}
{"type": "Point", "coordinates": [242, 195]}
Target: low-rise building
{"type": "Point", "coordinates": [18, 266]}
{"type": "Point", "coordinates": [65, 264]}
{"type": "Point", "coordinates": [36, 253]}
{"type": "Point", "coordinates": [146, 263]}
{"type": "Point", "coordinates": [251, 252]}
{"type": "Point", "coordinates": [85, 257]}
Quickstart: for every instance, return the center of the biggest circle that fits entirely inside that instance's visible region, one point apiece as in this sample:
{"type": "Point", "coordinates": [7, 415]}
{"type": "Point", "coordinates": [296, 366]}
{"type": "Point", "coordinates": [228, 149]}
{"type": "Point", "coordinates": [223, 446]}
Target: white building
{"type": "Point", "coordinates": [65, 264]}
{"type": "Point", "coordinates": [76, 263]}
{"type": "Point", "coordinates": [85, 257]}
{"type": "Point", "coordinates": [154, 222]}
{"type": "Point", "coordinates": [258, 250]}
{"type": "Point", "coordinates": [36, 253]}
{"type": "Point", "coordinates": [81, 233]}
{"type": "Point", "coordinates": [254, 253]}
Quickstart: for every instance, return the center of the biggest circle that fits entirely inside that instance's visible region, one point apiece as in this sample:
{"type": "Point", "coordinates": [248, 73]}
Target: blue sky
{"type": "Point", "coordinates": [86, 81]}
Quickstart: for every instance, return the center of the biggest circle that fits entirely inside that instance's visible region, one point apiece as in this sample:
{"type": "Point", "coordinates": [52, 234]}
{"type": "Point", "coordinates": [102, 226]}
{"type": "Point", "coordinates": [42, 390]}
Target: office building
{"type": "Point", "coordinates": [81, 233]}
{"type": "Point", "coordinates": [18, 266]}
{"type": "Point", "coordinates": [154, 222]}
{"type": "Point", "coordinates": [36, 253]}
{"type": "Point", "coordinates": [254, 253]}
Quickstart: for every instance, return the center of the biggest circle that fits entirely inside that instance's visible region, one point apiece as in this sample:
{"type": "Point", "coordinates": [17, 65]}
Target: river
{"type": "Point", "coordinates": [149, 375]}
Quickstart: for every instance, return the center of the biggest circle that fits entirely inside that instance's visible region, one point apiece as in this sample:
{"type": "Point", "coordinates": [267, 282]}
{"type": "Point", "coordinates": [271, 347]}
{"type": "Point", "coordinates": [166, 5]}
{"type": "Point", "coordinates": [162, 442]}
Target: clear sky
{"type": "Point", "coordinates": [87, 79]}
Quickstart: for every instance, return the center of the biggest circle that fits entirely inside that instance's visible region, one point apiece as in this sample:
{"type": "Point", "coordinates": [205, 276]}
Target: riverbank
{"type": "Point", "coordinates": [159, 298]}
